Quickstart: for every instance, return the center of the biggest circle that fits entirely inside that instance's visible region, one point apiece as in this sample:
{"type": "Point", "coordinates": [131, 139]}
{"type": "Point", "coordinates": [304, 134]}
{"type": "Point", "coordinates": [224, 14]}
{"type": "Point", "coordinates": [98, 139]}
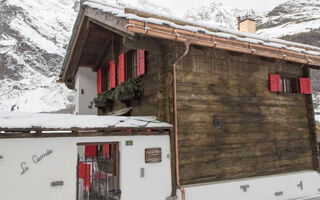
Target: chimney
{"type": "Point", "coordinates": [247, 25]}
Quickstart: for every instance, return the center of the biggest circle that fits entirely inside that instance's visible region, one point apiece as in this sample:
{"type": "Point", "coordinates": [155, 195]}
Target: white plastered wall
{"type": "Point", "coordinates": [278, 187]}
{"type": "Point", "coordinates": [60, 165]}
{"type": "Point", "coordinates": [86, 81]}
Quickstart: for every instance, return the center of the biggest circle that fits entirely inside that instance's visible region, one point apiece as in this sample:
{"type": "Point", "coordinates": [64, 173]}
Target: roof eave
{"type": "Point", "coordinates": [104, 20]}
{"type": "Point", "coordinates": [202, 39]}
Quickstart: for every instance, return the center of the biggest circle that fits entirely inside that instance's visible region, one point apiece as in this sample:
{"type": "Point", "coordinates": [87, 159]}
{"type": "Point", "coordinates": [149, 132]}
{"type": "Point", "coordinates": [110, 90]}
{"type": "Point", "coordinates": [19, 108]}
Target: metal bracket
{"type": "Point", "coordinates": [142, 172]}
{"type": "Point", "coordinates": [244, 187]}
{"type": "Point", "coordinates": [279, 193]}
{"type": "Point", "coordinates": [300, 185]}
{"type": "Point", "coordinates": [56, 183]}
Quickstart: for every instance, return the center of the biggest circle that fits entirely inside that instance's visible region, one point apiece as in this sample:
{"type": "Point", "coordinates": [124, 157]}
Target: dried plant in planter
{"type": "Point", "coordinates": [104, 99]}
{"type": "Point", "coordinates": [128, 90]}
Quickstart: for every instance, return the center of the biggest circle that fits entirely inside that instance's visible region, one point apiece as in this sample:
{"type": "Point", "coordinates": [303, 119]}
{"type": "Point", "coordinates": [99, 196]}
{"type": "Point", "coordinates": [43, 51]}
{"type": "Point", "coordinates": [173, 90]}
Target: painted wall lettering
{"type": "Point", "coordinates": [35, 159]}
{"type": "Point", "coordinates": [24, 167]}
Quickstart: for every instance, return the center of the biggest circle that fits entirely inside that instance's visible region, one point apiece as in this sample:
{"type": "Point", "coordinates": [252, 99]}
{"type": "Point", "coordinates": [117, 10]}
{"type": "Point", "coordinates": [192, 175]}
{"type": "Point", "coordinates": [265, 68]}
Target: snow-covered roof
{"type": "Point", "coordinates": [22, 120]}
{"type": "Point", "coordinates": [131, 21]}
{"type": "Point", "coordinates": [223, 32]}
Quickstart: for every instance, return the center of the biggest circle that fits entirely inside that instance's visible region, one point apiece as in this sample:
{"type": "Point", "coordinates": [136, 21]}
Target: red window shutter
{"type": "Point", "coordinates": [141, 62]}
{"type": "Point", "coordinates": [84, 174]}
{"type": "Point", "coordinates": [106, 151]}
{"type": "Point", "coordinates": [90, 150]}
{"type": "Point", "coordinates": [99, 78]}
{"type": "Point", "coordinates": [121, 69]}
{"type": "Point", "coordinates": [274, 82]}
{"type": "Point", "coordinates": [112, 73]}
{"type": "Point", "coordinates": [305, 86]}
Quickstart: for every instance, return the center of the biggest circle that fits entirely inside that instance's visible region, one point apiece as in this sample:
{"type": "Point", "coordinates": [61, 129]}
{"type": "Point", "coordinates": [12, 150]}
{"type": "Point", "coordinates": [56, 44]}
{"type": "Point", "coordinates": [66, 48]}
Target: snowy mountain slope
{"type": "Point", "coordinates": [33, 38]}
{"type": "Point", "coordinates": [214, 12]}
{"type": "Point", "coordinates": [291, 17]}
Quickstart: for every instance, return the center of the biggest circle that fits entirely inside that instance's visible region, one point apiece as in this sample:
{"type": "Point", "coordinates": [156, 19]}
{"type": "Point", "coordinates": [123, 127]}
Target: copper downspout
{"type": "Point", "coordinates": [175, 107]}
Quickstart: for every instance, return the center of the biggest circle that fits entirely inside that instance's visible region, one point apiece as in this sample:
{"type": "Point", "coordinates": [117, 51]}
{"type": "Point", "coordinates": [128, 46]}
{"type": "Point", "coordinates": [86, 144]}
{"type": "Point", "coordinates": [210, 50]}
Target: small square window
{"type": "Point", "coordinates": [132, 62]}
{"type": "Point", "coordinates": [289, 85]}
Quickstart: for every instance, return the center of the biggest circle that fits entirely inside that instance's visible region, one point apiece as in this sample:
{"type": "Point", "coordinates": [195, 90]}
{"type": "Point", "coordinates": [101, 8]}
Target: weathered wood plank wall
{"type": "Point", "coordinates": [261, 132]}
{"type": "Point", "coordinates": [152, 82]}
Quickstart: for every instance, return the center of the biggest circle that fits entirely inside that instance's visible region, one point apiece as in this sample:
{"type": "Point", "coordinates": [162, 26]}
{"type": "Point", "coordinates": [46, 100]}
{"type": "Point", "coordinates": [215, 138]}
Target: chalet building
{"type": "Point", "coordinates": [240, 103]}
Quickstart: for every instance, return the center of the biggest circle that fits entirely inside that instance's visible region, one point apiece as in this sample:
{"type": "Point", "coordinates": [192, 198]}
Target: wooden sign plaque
{"type": "Point", "coordinates": [152, 155]}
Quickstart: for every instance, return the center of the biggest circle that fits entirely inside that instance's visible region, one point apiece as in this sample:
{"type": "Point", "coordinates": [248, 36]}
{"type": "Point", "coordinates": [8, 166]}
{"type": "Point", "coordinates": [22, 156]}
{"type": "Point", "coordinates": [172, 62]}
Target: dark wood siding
{"type": "Point", "coordinates": [153, 101]}
{"type": "Point", "coordinates": [261, 133]}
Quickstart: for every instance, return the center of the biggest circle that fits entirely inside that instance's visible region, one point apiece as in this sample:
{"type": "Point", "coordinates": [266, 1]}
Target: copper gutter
{"type": "Point", "coordinates": [175, 108]}
{"type": "Point", "coordinates": [203, 39]}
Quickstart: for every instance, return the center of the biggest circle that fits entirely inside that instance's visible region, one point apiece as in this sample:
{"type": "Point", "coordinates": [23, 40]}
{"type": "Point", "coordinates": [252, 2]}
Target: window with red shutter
{"type": "Point", "coordinates": [121, 69]}
{"type": "Point", "coordinates": [99, 83]}
{"type": "Point", "coordinates": [274, 82]}
{"type": "Point", "coordinates": [140, 62]}
{"type": "Point", "coordinates": [84, 174]}
{"type": "Point", "coordinates": [305, 86]}
{"type": "Point", "coordinates": [91, 150]}
{"type": "Point", "coordinates": [112, 73]}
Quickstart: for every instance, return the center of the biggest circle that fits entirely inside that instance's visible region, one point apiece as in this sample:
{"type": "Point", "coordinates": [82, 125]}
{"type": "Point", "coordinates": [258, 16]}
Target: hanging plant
{"type": "Point", "coordinates": [104, 99]}
{"type": "Point", "coordinates": [128, 90]}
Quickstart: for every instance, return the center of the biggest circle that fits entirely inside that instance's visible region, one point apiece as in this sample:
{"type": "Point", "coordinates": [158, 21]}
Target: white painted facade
{"type": "Point", "coordinates": [86, 90]}
{"type": "Point", "coordinates": [61, 165]}
{"type": "Point", "coordinates": [278, 187]}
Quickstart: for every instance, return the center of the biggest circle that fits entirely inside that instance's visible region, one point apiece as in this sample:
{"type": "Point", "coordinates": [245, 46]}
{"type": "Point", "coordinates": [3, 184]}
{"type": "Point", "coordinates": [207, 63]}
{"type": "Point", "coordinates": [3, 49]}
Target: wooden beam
{"type": "Point", "coordinates": [109, 22]}
{"type": "Point", "coordinates": [72, 49]}
{"type": "Point", "coordinates": [103, 52]}
{"type": "Point", "coordinates": [80, 42]}
{"type": "Point", "coordinates": [88, 133]}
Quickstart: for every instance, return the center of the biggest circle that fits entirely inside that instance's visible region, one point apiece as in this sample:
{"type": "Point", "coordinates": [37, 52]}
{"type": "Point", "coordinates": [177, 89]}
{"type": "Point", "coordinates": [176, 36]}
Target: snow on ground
{"type": "Point", "coordinates": [67, 121]}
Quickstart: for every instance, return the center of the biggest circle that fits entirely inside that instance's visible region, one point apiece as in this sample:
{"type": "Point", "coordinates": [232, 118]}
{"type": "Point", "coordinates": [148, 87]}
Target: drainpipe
{"type": "Point", "coordinates": [187, 45]}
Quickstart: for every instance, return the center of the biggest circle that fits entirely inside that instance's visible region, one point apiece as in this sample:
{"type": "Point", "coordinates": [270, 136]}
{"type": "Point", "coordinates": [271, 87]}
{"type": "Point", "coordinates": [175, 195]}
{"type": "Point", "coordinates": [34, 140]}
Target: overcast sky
{"type": "Point", "coordinates": [257, 5]}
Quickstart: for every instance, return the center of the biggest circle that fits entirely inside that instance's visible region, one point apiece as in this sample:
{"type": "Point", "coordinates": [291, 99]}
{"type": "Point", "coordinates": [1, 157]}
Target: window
{"type": "Point", "coordinates": [98, 171]}
{"type": "Point", "coordinates": [130, 65]}
{"type": "Point", "coordinates": [289, 85]}
{"type": "Point", "coordinates": [135, 63]}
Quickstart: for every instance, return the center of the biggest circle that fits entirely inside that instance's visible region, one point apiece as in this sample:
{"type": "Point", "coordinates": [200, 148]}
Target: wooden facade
{"type": "Point", "coordinates": [260, 133]}
{"type": "Point", "coordinates": [230, 125]}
